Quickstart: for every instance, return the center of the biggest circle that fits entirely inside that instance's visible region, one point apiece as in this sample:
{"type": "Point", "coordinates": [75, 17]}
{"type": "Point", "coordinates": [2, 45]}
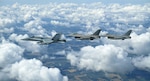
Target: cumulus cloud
{"type": "Point", "coordinates": [33, 70]}
{"type": "Point", "coordinates": [95, 15]}
{"type": "Point", "coordinates": [15, 67]}
{"type": "Point", "coordinates": [6, 30]}
{"type": "Point", "coordinates": [33, 26]}
{"type": "Point", "coordinates": [140, 43]}
{"type": "Point", "coordinates": [58, 23]}
{"type": "Point", "coordinates": [142, 62]}
{"type": "Point", "coordinates": [107, 58]}
{"type": "Point", "coordinates": [10, 53]}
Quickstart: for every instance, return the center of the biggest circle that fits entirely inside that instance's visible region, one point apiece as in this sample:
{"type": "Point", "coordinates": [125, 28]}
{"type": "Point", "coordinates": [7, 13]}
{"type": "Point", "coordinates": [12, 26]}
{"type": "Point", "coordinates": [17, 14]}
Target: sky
{"type": "Point", "coordinates": [10, 2]}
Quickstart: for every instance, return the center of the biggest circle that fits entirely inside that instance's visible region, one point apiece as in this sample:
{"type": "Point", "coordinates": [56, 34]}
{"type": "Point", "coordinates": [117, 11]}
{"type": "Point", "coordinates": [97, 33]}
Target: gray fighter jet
{"type": "Point", "coordinates": [119, 37]}
{"type": "Point", "coordinates": [86, 37]}
{"type": "Point", "coordinates": [46, 40]}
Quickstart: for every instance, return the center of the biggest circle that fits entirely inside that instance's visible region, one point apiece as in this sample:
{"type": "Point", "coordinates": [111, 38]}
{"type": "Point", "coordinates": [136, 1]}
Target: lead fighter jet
{"type": "Point", "coordinates": [86, 37]}
{"type": "Point", "coordinates": [46, 40]}
{"type": "Point", "coordinates": [120, 37]}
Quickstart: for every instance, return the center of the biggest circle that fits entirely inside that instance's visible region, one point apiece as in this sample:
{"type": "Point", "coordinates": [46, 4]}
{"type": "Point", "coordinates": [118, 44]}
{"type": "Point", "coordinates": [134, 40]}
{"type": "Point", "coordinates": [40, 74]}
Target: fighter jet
{"type": "Point", "coordinates": [86, 37]}
{"type": "Point", "coordinates": [120, 37]}
{"type": "Point", "coordinates": [46, 40]}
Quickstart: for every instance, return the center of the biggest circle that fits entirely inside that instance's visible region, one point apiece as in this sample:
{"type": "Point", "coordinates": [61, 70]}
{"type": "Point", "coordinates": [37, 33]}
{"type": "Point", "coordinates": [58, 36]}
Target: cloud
{"type": "Point", "coordinates": [63, 52]}
{"type": "Point", "coordinates": [107, 58]}
{"type": "Point", "coordinates": [13, 66]}
{"type": "Point", "coordinates": [35, 25]}
{"type": "Point", "coordinates": [33, 18]}
{"type": "Point", "coordinates": [10, 53]}
{"type": "Point", "coordinates": [33, 70]}
{"type": "Point", "coordinates": [58, 23]}
{"type": "Point", "coordinates": [140, 43]}
{"type": "Point", "coordinates": [142, 62]}
{"type": "Point", "coordinates": [6, 30]}
{"type": "Point", "coordinates": [6, 21]}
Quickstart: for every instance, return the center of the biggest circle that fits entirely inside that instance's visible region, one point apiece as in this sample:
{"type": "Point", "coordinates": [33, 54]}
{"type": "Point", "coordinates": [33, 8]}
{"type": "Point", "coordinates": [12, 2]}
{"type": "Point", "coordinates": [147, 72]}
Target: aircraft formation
{"type": "Point", "coordinates": [95, 35]}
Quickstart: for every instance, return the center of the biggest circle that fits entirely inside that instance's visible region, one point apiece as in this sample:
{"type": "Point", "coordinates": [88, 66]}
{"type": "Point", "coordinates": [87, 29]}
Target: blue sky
{"type": "Point", "coordinates": [10, 2]}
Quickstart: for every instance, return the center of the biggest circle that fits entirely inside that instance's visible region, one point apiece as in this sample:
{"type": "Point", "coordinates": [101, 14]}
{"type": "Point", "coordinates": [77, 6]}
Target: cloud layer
{"type": "Point", "coordinates": [14, 66]}
{"type": "Point", "coordinates": [10, 53]}
{"type": "Point", "coordinates": [33, 70]}
{"type": "Point", "coordinates": [20, 21]}
{"type": "Point", "coordinates": [107, 58]}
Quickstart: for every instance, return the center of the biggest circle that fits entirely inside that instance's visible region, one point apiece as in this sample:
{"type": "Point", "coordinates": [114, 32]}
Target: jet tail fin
{"type": "Point", "coordinates": [56, 37]}
{"type": "Point", "coordinates": [97, 32]}
{"type": "Point", "coordinates": [128, 33]}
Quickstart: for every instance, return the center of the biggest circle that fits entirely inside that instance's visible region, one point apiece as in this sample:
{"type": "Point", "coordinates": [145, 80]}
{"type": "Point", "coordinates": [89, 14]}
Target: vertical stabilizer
{"type": "Point", "coordinates": [97, 32]}
{"type": "Point", "coordinates": [56, 37]}
{"type": "Point", "coordinates": [128, 33]}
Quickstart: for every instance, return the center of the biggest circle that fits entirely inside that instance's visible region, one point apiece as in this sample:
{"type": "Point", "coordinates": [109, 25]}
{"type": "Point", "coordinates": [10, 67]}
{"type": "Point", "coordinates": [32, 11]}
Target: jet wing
{"type": "Point", "coordinates": [111, 36]}
{"type": "Point", "coordinates": [46, 41]}
{"type": "Point", "coordinates": [34, 38]}
{"type": "Point", "coordinates": [75, 35]}
{"type": "Point", "coordinates": [107, 35]}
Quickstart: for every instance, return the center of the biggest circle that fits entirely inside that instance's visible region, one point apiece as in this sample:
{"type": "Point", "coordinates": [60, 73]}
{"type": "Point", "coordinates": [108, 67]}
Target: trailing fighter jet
{"type": "Point", "coordinates": [46, 40]}
{"type": "Point", "coordinates": [86, 37]}
{"type": "Point", "coordinates": [120, 37]}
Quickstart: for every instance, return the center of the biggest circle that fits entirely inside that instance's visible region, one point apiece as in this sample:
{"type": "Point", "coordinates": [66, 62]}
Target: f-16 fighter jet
{"type": "Point", "coordinates": [46, 40]}
{"type": "Point", "coordinates": [119, 37]}
{"type": "Point", "coordinates": [86, 37]}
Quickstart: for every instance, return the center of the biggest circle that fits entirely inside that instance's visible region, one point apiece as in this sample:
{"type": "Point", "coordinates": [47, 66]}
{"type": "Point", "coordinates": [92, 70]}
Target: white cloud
{"type": "Point", "coordinates": [88, 16]}
{"type": "Point", "coordinates": [130, 14]}
{"type": "Point", "coordinates": [140, 43]}
{"type": "Point", "coordinates": [10, 53]}
{"type": "Point", "coordinates": [63, 52]}
{"type": "Point", "coordinates": [34, 26]}
{"type": "Point", "coordinates": [6, 21]}
{"type": "Point", "coordinates": [53, 33]}
{"type": "Point", "coordinates": [33, 70]}
{"type": "Point", "coordinates": [14, 67]}
{"type": "Point", "coordinates": [6, 30]}
{"type": "Point", "coordinates": [148, 29]}
{"type": "Point", "coordinates": [58, 23]}
{"type": "Point", "coordinates": [142, 62]}
{"type": "Point", "coordinates": [107, 58]}
{"type": "Point", "coordinates": [44, 57]}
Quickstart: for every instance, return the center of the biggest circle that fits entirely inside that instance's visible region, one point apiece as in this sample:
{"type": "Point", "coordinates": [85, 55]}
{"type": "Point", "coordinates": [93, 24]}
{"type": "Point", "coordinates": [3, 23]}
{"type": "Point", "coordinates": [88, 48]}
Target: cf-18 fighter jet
{"type": "Point", "coordinates": [86, 37]}
{"type": "Point", "coordinates": [120, 37]}
{"type": "Point", "coordinates": [46, 40]}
